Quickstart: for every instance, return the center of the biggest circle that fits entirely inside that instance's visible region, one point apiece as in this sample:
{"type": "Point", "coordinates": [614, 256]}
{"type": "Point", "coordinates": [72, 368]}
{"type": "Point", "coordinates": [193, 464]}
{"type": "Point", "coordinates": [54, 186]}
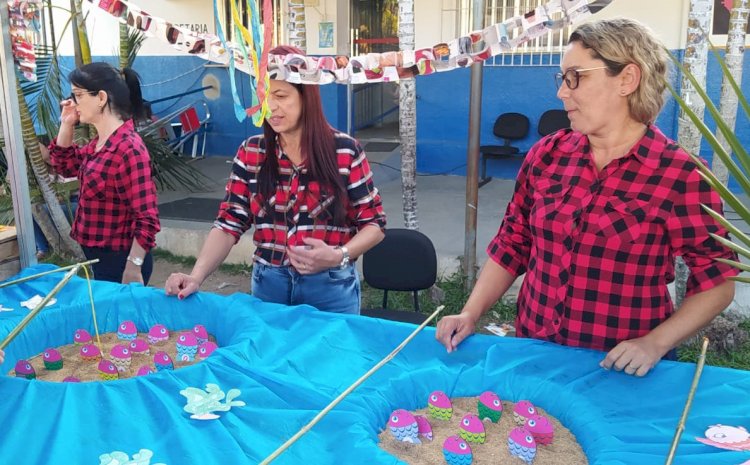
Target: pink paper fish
{"type": "Point", "coordinates": [200, 333]}
{"type": "Point", "coordinates": [90, 353]}
{"type": "Point", "coordinates": [52, 359]}
{"type": "Point", "coordinates": [127, 331]}
{"type": "Point", "coordinates": [25, 370]}
{"type": "Point", "coordinates": [423, 426]}
{"type": "Point", "coordinates": [121, 357]}
{"type": "Point", "coordinates": [139, 347]}
{"type": "Point", "coordinates": [471, 429]}
{"type": "Point", "coordinates": [206, 349]}
{"type": "Point", "coordinates": [403, 426]}
{"type": "Point", "coordinates": [523, 410]}
{"type": "Point", "coordinates": [81, 336]}
{"type": "Point", "coordinates": [456, 451]}
{"type": "Point", "coordinates": [107, 370]}
{"type": "Point", "coordinates": [522, 445]}
{"type": "Point", "coordinates": [439, 406]}
{"type": "Point", "coordinates": [541, 428]}
{"type": "Point", "coordinates": [144, 370]}
{"type": "Point", "coordinates": [725, 437]}
{"type": "Point", "coordinates": [490, 406]}
{"type": "Point", "coordinates": [157, 333]}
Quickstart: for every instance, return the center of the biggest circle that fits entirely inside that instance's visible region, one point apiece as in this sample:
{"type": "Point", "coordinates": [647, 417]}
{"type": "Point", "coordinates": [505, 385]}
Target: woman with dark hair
{"type": "Point", "coordinates": [117, 219]}
{"type": "Point", "coordinates": [308, 191]}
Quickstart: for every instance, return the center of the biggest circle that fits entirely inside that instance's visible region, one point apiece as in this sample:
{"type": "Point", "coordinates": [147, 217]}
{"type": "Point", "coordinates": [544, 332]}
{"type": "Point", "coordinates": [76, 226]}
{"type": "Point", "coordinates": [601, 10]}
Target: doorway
{"type": "Point", "coordinates": [374, 29]}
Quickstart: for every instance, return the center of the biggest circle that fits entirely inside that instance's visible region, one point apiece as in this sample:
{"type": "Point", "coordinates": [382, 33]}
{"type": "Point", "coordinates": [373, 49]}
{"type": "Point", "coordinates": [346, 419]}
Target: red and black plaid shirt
{"type": "Point", "coordinates": [300, 209]}
{"type": "Point", "coordinates": [117, 202]}
{"type": "Point", "coordinates": [598, 248]}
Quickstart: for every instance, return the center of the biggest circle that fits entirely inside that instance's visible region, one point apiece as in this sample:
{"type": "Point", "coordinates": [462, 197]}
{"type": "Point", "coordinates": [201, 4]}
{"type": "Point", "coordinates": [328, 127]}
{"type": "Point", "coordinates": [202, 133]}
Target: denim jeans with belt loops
{"type": "Point", "coordinates": [334, 290]}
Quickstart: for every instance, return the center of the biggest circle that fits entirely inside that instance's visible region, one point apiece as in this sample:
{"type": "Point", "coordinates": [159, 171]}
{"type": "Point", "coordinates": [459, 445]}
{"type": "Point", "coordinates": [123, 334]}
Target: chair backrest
{"type": "Point", "coordinates": [190, 121]}
{"type": "Point", "coordinates": [552, 121]}
{"type": "Point", "coordinates": [404, 261]}
{"type": "Point", "coordinates": [511, 126]}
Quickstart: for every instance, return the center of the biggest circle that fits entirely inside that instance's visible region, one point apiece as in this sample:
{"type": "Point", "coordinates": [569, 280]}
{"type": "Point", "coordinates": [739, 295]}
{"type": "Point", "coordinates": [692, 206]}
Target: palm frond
{"type": "Point", "coordinates": [170, 170]}
{"type": "Point", "coordinates": [44, 95]}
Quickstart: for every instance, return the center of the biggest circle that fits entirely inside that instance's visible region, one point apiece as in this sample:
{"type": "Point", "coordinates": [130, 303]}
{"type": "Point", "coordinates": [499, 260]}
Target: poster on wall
{"type": "Point", "coordinates": [721, 17]}
{"type": "Point", "coordinates": [325, 35]}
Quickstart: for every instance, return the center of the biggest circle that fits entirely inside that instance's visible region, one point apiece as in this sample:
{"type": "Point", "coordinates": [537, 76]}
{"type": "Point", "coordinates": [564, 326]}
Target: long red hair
{"type": "Point", "coordinates": [318, 148]}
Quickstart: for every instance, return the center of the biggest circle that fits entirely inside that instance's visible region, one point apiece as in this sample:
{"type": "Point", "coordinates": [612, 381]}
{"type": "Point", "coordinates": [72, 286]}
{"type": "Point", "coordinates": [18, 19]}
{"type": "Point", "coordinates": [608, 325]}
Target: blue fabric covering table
{"type": "Point", "coordinates": [290, 362]}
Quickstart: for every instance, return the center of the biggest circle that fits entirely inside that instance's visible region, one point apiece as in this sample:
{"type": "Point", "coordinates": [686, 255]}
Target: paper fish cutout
{"type": "Point", "coordinates": [120, 356]}
{"type": "Point", "coordinates": [202, 403]}
{"type": "Point", "coordinates": [522, 445]}
{"type": "Point", "coordinates": [162, 361]}
{"type": "Point", "coordinates": [36, 300]}
{"type": "Point", "coordinates": [723, 437]}
{"type": "Point", "coordinates": [523, 410]}
{"type": "Point", "coordinates": [403, 426]}
{"type": "Point", "coordinates": [541, 428]}
{"type": "Point", "coordinates": [157, 333]}
{"type": "Point", "coordinates": [139, 347]}
{"type": "Point", "coordinates": [456, 451]}
{"type": "Point", "coordinates": [71, 379]}
{"type": "Point", "coordinates": [90, 353]}
{"type": "Point", "coordinates": [127, 331]}
{"type": "Point", "coordinates": [423, 427]}
{"type": "Point", "coordinates": [107, 371]}
{"type": "Point", "coordinates": [200, 333]}
{"type": "Point", "coordinates": [206, 349]}
{"type": "Point", "coordinates": [52, 359]}
{"type": "Point", "coordinates": [471, 429]}
{"type": "Point", "coordinates": [490, 406]}
{"type": "Point", "coordinates": [143, 457]}
{"type": "Point", "coordinates": [81, 336]}
{"type": "Point", "coordinates": [144, 370]}
{"type": "Point", "coordinates": [25, 370]}
{"type": "Point", "coordinates": [439, 406]}
{"type": "Point", "coordinates": [187, 347]}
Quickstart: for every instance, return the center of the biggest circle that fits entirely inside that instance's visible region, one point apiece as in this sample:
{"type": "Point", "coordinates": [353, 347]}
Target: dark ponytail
{"type": "Point", "coordinates": [123, 88]}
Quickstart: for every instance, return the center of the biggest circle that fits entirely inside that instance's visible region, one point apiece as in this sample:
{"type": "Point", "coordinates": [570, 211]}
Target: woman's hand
{"type": "Point", "coordinates": [634, 356]}
{"type": "Point", "coordinates": [181, 285]}
{"type": "Point", "coordinates": [453, 329]}
{"type": "Point", "coordinates": [68, 114]}
{"type": "Point", "coordinates": [313, 257]}
{"type": "Point", "coordinates": [132, 274]}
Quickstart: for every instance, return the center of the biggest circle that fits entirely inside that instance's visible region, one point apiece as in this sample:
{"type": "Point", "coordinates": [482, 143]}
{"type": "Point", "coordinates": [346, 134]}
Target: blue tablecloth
{"type": "Point", "coordinates": [290, 362]}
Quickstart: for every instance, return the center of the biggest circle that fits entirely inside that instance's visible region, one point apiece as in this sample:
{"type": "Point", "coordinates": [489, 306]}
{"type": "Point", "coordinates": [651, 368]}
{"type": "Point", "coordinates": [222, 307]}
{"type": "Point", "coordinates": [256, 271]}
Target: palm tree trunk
{"type": "Point", "coordinates": [408, 119]}
{"type": "Point", "coordinates": [80, 37]}
{"type": "Point", "coordinates": [728, 104]}
{"type": "Point", "coordinates": [124, 46]}
{"type": "Point", "coordinates": [695, 59]}
{"type": "Point", "coordinates": [39, 167]}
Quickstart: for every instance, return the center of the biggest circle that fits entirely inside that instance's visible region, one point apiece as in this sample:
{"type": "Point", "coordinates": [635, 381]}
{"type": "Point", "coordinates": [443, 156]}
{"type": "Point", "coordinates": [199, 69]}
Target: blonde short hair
{"type": "Point", "coordinates": [620, 42]}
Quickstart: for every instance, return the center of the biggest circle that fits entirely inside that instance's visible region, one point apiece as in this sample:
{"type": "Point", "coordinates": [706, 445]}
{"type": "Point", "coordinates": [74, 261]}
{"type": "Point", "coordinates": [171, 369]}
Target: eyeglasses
{"type": "Point", "coordinates": [572, 76]}
{"type": "Point", "coordinates": [75, 96]}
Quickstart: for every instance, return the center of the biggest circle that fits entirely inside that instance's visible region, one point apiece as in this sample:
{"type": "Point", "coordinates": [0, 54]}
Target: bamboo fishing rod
{"type": "Point", "coordinates": [45, 273]}
{"type": "Point", "coordinates": [689, 403]}
{"type": "Point", "coordinates": [348, 390]}
{"type": "Point", "coordinates": [20, 326]}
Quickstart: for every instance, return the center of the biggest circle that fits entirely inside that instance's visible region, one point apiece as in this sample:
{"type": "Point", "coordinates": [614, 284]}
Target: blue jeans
{"type": "Point", "coordinates": [334, 290]}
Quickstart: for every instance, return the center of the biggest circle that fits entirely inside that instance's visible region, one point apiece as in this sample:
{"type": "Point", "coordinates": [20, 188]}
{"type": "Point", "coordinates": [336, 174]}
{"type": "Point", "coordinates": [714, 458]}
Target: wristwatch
{"type": "Point", "coordinates": [344, 256]}
{"type": "Point", "coordinates": [135, 260]}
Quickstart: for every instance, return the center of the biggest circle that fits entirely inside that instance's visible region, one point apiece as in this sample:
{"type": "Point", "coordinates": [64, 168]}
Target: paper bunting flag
{"type": "Point", "coordinates": [251, 58]}
{"type": "Point", "coordinates": [24, 31]}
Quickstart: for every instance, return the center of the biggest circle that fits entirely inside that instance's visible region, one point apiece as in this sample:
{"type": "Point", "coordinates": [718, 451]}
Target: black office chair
{"type": "Point", "coordinates": [405, 260]}
{"type": "Point", "coordinates": [552, 121]}
{"type": "Point", "coordinates": [509, 127]}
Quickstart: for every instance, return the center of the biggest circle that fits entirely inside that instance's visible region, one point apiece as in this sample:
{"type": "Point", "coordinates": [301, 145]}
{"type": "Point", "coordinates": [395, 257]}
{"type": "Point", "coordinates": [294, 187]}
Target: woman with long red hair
{"type": "Point", "coordinates": [307, 189]}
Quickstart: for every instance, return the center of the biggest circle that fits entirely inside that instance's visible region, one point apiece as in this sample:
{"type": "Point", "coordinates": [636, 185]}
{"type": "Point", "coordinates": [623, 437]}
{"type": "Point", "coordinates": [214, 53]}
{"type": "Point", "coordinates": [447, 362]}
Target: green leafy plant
{"type": "Point", "coordinates": [739, 169]}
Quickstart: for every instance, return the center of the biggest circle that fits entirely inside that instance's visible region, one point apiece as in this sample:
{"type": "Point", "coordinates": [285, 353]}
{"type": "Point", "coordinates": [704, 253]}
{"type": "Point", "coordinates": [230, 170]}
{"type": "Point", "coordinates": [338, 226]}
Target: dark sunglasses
{"type": "Point", "coordinates": [74, 97]}
{"type": "Point", "coordinates": [572, 76]}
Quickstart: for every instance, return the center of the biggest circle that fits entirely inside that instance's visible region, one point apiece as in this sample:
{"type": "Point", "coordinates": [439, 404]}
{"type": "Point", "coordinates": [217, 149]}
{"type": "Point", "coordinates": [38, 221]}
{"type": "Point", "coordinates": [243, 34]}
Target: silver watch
{"type": "Point", "coordinates": [135, 260]}
{"type": "Point", "coordinates": [344, 257]}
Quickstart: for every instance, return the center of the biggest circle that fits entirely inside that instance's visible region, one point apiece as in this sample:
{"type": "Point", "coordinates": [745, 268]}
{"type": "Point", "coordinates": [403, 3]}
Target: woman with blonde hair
{"type": "Point", "coordinates": [599, 213]}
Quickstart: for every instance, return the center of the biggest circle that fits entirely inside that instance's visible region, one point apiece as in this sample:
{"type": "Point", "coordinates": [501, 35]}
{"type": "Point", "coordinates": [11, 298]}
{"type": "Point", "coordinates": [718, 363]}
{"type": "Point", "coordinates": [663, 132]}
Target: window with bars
{"type": "Point", "coordinates": [458, 20]}
{"type": "Point", "coordinates": [227, 24]}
